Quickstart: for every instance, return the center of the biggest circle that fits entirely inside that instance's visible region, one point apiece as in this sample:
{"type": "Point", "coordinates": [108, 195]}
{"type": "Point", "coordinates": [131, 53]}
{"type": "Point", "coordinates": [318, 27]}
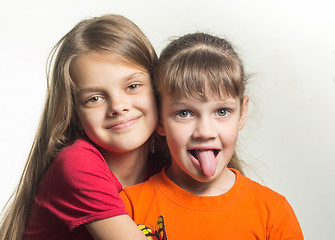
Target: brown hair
{"type": "Point", "coordinates": [59, 125]}
{"type": "Point", "coordinates": [197, 64]}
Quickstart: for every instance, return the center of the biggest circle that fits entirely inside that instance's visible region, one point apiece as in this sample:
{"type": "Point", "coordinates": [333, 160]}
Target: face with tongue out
{"type": "Point", "coordinates": [201, 135]}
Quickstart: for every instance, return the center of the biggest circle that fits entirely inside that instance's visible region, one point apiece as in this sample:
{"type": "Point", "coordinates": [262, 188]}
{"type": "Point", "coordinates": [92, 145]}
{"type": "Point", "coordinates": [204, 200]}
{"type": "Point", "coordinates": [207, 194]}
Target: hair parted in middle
{"type": "Point", "coordinates": [59, 125]}
{"type": "Point", "coordinates": [109, 34]}
{"type": "Point", "coordinates": [197, 65]}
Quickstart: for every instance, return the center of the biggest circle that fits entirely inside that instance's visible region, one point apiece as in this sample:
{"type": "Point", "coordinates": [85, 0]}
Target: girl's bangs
{"type": "Point", "coordinates": [198, 74]}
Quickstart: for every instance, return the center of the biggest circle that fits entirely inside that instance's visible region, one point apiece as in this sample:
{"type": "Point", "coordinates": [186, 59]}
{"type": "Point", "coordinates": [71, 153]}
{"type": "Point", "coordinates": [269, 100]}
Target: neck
{"type": "Point", "coordinates": [129, 167]}
{"type": "Point", "coordinates": [218, 186]}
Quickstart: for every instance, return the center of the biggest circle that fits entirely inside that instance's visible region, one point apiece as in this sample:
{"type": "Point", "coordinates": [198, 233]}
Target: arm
{"type": "Point", "coordinates": [87, 193]}
{"type": "Point", "coordinates": [119, 228]}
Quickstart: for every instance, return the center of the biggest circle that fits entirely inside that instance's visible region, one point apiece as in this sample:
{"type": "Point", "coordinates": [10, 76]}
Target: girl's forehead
{"type": "Point", "coordinates": [79, 62]}
{"type": "Point", "coordinates": [208, 96]}
{"type": "Point", "coordinates": [107, 55]}
{"type": "Point", "coordinates": [206, 93]}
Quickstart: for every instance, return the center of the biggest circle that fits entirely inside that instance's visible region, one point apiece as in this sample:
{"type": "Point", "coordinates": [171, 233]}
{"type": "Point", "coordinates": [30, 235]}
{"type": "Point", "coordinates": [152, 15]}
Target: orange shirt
{"type": "Point", "coordinates": [247, 211]}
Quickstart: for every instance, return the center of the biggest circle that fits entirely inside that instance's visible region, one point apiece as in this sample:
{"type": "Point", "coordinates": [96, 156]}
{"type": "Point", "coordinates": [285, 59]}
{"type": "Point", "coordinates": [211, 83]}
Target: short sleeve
{"type": "Point", "coordinates": [286, 225]}
{"type": "Point", "coordinates": [80, 188]}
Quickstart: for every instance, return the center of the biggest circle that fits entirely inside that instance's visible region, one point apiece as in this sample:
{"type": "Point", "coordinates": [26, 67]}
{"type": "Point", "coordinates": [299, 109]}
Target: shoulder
{"type": "Point", "coordinates": [273, 206]}
{"type": "Point", "coordinates": [264, 190]}
{"type": "Point", "coordinates": [259, 191]}
{"type": "Point", "coordinates": [80, 147]}
{"type": "Point", "coordinates": [268, 201]}
{"type": "Point", "coordinates": [81, 154]}
{"type": "Point", "coordinates": [80, 167]}
{"type": "Point", "coordinates": [81, 162]}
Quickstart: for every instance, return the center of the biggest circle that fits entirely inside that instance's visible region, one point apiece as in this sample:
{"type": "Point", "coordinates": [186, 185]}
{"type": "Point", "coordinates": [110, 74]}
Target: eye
{"type": "Point", "coordinates": [94, 99]}
{"type": "Point", "coordinates": [222, 112]}
{"type": "Point", "coordinates": [133, 86]}
{"type": "Point", "coordinates": [183, 114]}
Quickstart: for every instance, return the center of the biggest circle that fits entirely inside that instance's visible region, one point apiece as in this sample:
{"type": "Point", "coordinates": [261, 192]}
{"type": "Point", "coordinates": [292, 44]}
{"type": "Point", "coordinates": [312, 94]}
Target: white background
{"type": "Point", "coordinates": [289, 45]}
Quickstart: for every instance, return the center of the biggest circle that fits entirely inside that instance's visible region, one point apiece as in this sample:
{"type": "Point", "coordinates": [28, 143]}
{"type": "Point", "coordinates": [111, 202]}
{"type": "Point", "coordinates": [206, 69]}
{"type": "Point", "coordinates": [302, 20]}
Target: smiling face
{"type": "Point", "coordinates": [115, 103]}
{"type": "Point", "coordinates": [201, 135]}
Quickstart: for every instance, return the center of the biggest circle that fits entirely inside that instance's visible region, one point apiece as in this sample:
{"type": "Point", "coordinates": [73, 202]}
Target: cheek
{"type": "Point", "coordinates": [89, 119]}
{"type": "Point", "coordinates": [151, 102]}
{"type": "Point", "coordinates": [146, 102]}
{"type": "Point", "coordinates": [152, 107]}
{"type": "Point", "coordinates": [229, 136]}
{"type": "Point", "coordinates": [176, 135]}
{"type": "Point", "coordinates": [147, 106]}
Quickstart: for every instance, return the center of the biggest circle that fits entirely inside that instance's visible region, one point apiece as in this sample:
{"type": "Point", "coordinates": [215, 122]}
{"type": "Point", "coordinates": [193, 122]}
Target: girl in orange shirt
{"type": "Point", "coordinates": [203, 193]}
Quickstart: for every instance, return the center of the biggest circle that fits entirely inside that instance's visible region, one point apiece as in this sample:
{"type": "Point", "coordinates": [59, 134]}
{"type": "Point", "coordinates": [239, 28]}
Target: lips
{"type": "Point", "coordinates": [119, 125]}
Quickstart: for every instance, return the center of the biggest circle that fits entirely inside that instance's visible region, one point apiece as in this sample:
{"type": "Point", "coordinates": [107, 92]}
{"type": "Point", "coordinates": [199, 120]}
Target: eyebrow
{"type": "Point", "coordinates": [97, 89]}
{"type": "Point", "coordinates": [140, 72]}
{"type": "Point", "coordinates": [177, 104]}
{"type": "Point", "coordinates": [89, 90]}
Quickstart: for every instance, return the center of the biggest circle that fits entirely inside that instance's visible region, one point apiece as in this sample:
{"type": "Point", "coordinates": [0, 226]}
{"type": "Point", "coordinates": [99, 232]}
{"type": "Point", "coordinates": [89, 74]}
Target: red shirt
{"type": "Point", "coordinates": [78, 188]}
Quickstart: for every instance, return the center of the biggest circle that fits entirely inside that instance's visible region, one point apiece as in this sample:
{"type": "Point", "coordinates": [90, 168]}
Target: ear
{"type": "Point", "coordinates": [160, 128]}
{"type": "Point", "coordinates": [244, 112]}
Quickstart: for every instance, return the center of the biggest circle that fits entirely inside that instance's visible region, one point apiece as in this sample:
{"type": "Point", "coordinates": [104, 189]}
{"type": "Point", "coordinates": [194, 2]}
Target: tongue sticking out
{"type": "Point", "coordinates": [207, 161]}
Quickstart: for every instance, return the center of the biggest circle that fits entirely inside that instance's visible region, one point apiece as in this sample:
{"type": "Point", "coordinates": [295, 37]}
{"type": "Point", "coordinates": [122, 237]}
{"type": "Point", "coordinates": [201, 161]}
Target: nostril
{"type": "Point", "coordinates": [116, 109]}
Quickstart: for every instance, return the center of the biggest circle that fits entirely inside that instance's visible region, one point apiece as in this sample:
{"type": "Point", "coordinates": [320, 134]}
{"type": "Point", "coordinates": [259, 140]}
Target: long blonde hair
{"type": "Point", "coordinates": [59, 124]}
{"type": "Point", "coordinates": [197, 64]}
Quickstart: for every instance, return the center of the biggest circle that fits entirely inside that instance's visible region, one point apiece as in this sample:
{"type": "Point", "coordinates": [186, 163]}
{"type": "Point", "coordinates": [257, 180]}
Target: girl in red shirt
{"type": "Point", "coordinates": [93, 139]}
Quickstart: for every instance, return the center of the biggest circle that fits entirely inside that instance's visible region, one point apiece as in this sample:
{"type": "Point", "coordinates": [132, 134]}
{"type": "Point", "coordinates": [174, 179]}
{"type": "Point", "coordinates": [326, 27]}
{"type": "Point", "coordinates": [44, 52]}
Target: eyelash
{"type": "Point", "coordinates": [133, 86]}
{"type": "Point", "coordinates": [91, 99]}
{"type": "Point", "coordinates": [183, 111]}
{"type": "Point", "coordinates": [226, 112]}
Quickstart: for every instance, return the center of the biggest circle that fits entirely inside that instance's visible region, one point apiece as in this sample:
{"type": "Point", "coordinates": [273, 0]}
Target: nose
{"type": "Point", "coordinates": [118, 105]}
{"type": "Point", "coordinates": [204, 129]}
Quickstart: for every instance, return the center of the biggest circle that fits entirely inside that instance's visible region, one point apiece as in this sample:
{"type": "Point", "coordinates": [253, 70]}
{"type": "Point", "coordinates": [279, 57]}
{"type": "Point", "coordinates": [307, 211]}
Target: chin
{"type": "Point", "coordinates": [202, 178]}
{"type": "Point", "coordinates": [205, 179]}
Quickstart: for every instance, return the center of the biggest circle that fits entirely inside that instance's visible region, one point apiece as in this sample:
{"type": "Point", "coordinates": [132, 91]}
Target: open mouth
{"type": "Point", "coordinates": [205, 159]}
{"type": "Point", "coordinates": [193, 152]}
